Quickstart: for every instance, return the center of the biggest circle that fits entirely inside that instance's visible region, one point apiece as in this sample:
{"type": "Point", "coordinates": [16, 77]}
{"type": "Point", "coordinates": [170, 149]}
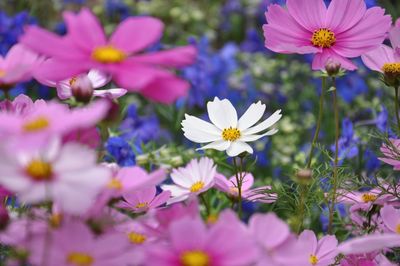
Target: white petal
{"type": "Point", "coordinates": [222, 113]}
{"type": "Point", "coordinates": [98, 78]}
{"type": "Point", "coordinates": [237, 147]}
{"type": "Point", "coordinates": [63, 90]}
{"type": "Point", "coordinates": [110, 93]}
{"type": "Point", "coordinates": [176, 191]}
{"type": "Point", "coordinates": [251, 116]}
{"type": "Point", "coordinates": [249, 138]}
{"type": "Point", "coordinates": [74, 157]}
{"type": "Point", "coordinates": [181, 179]}
{"type": "Point", "coordinates": [220, 145]}
{"type": "Point", "coordinates": [265, 124]}
{"type": "Point", "coordinates": [200, 131]}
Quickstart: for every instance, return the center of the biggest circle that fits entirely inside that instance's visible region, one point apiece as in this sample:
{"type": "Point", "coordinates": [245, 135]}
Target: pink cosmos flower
{"type": "Point", "coordinates": [369, 259]}
{"type": "Point", "coordinates": [21, 105]}
{"type": "Point", "coordinates": [230, 187]}
{"type": "Point", "coordinates": [91, 81]}
{"type": "Point", "coordinates": [67, 175]}
{"type": "Point", "coordinates": [346, 29]}
{"type": "Point", "coordinates": [17, 66]}
{"type": "Point", "coordinates": [144, 199]}
{"type": "Point", "coordinates": [391, 218]}
{"type": "Point", "coordinates": [88, 136]}
{"type": "Point", "coordinates": [195, 178]}
{"type": "Point", "coordinates": [74, 244]}
{"type": "Point", "coordinates": [369, 243]}
{"type": "Point", "coordinates": [363, 200]}
{"type": "Point", "coordinates": [50, 119]}
{"type": "Point", "coordinates": [224, 244]}
{"type": "Point", "coordinates": [391, 153]}
{"type": "Point", "coordinates": [86, 47]}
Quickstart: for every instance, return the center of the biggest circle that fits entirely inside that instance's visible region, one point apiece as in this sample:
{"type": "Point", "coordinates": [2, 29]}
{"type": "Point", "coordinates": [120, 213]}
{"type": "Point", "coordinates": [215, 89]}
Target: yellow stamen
{"type": "Point", "coordinates": [323, 38]}
{"type": "Point", "coordinates": [368, 197]}
{"type": "Point", "coordinates": [80, 259]}
{"type": "Point", "coordinates": [234, 190]}
{"type": "Point", "coordinates": [37, 124]}
{"type": "Point", "coordinates": [212, 218]}
{"type": "Point", "coordinates": [39, 170]}
{"type": "Point", "coordinates": [108, 54]}
{"type": "Point", "coordinates": [141, 205]}
{"type": "Point", "coordinates": [398, 228]}
{"type": "Point", "coordinates": [72, 81]}
{"type": "Point", "coordinates": [231, 134]}
{"type": "Point", "coordinates": [55, 220]}
{"type": "Point", "coordinates": [115, 184]}
{"type": "Point", "coordinates": [313, 259]}
{"type": "Point", "coordinates": [195, 258]}
{"type": "Point", "coordinates": [136, 238]}
{"type": "Point", "coordinates": [391, 68]}
{"type": "Point", "coordinates": [197, 186]}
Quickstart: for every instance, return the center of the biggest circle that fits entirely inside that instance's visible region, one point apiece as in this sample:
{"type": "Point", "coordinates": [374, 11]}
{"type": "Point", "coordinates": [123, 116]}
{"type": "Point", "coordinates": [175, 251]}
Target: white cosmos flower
{"type": "Point", "coordinates": [226, 132]}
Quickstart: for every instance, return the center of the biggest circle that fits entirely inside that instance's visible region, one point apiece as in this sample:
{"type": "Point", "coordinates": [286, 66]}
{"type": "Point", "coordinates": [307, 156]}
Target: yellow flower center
{"type": "Point", "coordinates": [231, 134]}
{"type": "Point", "coordinates": [197, 186]}
{"type": "Point", "coordinates": [212, 218]}
{"type": "Point", "coordinates": [368, 197]}
{"type": "Point", "coordinates": [195, 258]}
{"type": "Point", "coordinates": [234, 190]}
{"type": "Point", "coordinates": [142, 205]}
{"type": "Point", "coordinates": [136, 238]}
{"type": "Point", "coordinates": [39, 170]}
{"type": "Point", "coordinates": [114, 184]}
{"type": "Point", "coordinates": [2, 73]}
{"type": "Point", "coordinates": [313, 259]}
{"type": "Point", "coordinates": [391, 68]}
{"type": "Point", "coordinates": [323, 38]}
{"type": "Point", "coordinates": [80, 259]}
{"type": "Point", "coordinates": [37, 124]}
{"type": "Point", "coordinates": [72, 81]}
{"type": "Point", "coordinates": [398, 228]}
{"type": "Point", "coordinates": [55, 220]}
{"type": "Point", "coordinates": [108, 54]}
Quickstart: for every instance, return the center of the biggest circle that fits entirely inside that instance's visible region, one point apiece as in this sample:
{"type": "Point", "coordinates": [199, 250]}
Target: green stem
{"type": "Point", "coordinates": [303, 195]}
{"type": "Point", "coordinates": [336, 160]}
{"type": "Point", "coordinates": [239, 186]}
{"type": "Point", "coordinates": [319, 121]}
{"type": "Point", "coordinates": [206, 204]}
{"type": "Point", "coordinates": [396, 104]}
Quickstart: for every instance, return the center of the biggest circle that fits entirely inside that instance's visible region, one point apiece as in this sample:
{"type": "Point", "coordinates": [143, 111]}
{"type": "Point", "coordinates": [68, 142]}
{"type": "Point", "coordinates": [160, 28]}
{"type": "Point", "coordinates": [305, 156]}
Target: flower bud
{"type": "Point", "coordinates": [332, 68]}
{"type": "Point", "coordinates": [82, 89]}
{"type": "Point", "coordinates": [304, 176]}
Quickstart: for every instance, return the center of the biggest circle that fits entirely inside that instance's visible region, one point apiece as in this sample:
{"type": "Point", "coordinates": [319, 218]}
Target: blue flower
{"type": "Point", "coordinates": [351, 86]}
{"type": "Point", "coordinates": [119, 151]}
{"type": "Point", "coordinates": [348, 142]}
{"type": "Point", "coordinates": [117, 8]}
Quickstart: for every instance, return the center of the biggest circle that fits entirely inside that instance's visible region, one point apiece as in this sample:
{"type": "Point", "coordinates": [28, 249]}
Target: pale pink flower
{"type": "Point", "coordinates": [195, 178]}
{"type": "Point", "coordinates": [67, 175]}
{"type": "Point", "coordinates": [363, 199]}
{"type": "Point", "coordinates": [391, 153]}
{"type": "Point", "coordinates": [369, 243]}
{"type": "Point", "coordinates": [346, 29]}
{"type": "Point", "coordinates": [86, 47]}
{"type": "Point", "coordinates": [144, 199]}
{"type": "Point", "coordinates": [18, 66]}
{"type": "Point", "coordinates": [391, 219]}
{"type": "Point", "coordinates": [230, 187]}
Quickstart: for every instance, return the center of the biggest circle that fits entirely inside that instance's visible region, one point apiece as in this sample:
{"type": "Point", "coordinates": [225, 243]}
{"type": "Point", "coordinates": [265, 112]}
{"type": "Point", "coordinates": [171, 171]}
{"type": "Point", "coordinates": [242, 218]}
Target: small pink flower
{"type": "Point", "coordinates": [391, 218]}
{"type": "Point", "coordinates": [190, 242]}
{"type": "Point", "coordinates": [230, 187]}
{"type": "Point", "coordinates": [18, 66]}
{"type": "Point", "coordinates": [391, 153]}
{"type": "Point", "coordinates": [364, 200]}
{"type": "Point", "coordinates": [86, 47]}
{"type": "Point", "coordinates": [67, 175]}
{"type": "Point", "coordinates": [346, 29]}
{"type": "Point", "coordinates": [144, 200]}
{"type": "Point", "coordinates": [195, 178]}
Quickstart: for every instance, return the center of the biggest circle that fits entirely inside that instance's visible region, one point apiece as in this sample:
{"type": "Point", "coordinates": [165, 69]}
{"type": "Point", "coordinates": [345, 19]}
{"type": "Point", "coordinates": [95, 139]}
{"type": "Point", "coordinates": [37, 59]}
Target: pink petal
{"type": "Point", "coordinates": [369, 243]}
{"type": "Point", "coordinates": [178, 57]}
{"type": "Point", "coordinates": [110, 93]}
{"type": "Point", "coordinates": [160, 199]}
{"type": "Point", "coordinates": [375, 59]}
{"type": "Point", "coordinates": [394, 35]}
{"type": "Point", "coordinates": [55, 70]}
{"type": "Point", "coordinates": [390, 217]}
{"type": "Point", "coordinates": [98, 78]}
{"type": "Point", "coordinates": [365, 36]}
{"type": "Point", "coordinates": [344, 14]}
{"type": "Point", "coordinates": [136, 33]}
{"type": "Point", "coordinates": [327, 247]}
{"type": "Point", "coordinates": [328, 55]}
{"type": "Point", "coordinates": [63, 90]}
{"type": "Point", "coordinates": [308, 13]}
{"type": "Point", "coordinates": [84, 29]}
{"type": "Point", "coordinates": [181, 229]}
{"type": "Point", "coordinates": [165, 89]}
{"type": "Point", "coordinates": [284, 35]}
{"type": "Point", "coordinates": [308, 238]}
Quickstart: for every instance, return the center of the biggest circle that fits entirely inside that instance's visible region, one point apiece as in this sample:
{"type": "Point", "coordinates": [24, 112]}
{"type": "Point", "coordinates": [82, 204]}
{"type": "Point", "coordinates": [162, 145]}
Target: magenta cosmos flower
{"type": "Point", "coordinates": [346, 29]}
{"type": "Point", "coordinates": [17, 66]}
{"type": "Point", "coordinates": [191, 243]}
{"type": "Point", "coordinates": [86, 47]}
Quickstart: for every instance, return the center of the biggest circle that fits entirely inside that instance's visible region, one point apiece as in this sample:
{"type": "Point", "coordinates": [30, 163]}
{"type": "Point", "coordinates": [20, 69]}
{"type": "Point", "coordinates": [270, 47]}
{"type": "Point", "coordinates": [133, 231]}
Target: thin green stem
{"type": "Point", "coordinates": [336, 160]}
{"type": "Point", "coordinates": [239, 187]}
{"type": "Point", "coordinates": [319, 121]}
{"type": "Point", "coordinates": [396, 104]}
{"type": "Point", "coordinates": [206, 203]}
